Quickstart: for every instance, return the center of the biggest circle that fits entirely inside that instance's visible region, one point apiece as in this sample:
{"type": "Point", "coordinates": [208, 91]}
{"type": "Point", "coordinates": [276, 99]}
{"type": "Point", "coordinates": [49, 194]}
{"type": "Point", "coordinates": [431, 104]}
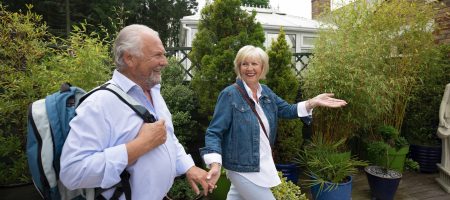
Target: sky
{"type": "Point", "coordinates": [300, 8]}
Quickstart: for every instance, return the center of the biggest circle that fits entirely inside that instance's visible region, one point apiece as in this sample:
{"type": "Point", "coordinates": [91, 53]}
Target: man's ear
{"type": "Point", "coordinates": [128, 59]}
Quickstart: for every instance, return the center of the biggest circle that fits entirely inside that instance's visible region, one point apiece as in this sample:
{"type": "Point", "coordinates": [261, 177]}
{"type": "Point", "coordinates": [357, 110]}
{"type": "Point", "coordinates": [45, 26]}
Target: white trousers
{"type": "Point", "coordinates": [243, 189]}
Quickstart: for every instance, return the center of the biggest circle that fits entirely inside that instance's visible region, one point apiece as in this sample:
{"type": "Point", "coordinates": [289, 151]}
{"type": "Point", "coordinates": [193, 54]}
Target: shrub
{"type": "Point", "coordinates": [371, 55]}
{"type": "Point", "coordinates": [180, 100]}
{"type": "Point", "coordinates": [22, 46]}
{"type": "Point", "coordinates": [287, 190]}
{"type": "Point", "coordinates": [422, 113]}
{"type": "Point", "coordinates": [181, 190]}
{"type": "Point", "coordinates": [223, 29]}
{"type": "Point", "coordinates": [281, 79]}
{"type": "Point", "coordinates": [30, 70]}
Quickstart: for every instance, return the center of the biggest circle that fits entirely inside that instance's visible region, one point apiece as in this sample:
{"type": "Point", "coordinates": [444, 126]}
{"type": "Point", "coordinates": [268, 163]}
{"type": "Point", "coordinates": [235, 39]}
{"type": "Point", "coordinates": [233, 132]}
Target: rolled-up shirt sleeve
{"type": "Point", "coordinates": [212, 158]}
{"type": "Point", "coordinates": [301, 110]}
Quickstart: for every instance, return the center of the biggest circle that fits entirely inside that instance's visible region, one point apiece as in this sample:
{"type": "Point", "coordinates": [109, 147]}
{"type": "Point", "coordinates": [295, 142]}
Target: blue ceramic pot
{"type": "Point", "coordinates": [343, 191]}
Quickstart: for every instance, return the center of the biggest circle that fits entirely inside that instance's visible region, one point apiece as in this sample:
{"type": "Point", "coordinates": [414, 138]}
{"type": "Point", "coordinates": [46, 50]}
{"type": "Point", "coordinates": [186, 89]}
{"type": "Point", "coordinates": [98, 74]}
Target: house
{"type": "Point", "coordinates": [300, 32]}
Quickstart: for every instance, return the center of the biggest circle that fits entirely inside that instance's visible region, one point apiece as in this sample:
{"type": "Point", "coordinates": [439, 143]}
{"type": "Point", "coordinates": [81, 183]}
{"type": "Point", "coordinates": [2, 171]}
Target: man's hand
{"type": "Point", "coordinates": [213, 176]}
{"type": "Point", "coordinates": [196, 176]}
{"type": "Point", "coordinates": [325, 100]}
{"type": "Point", "coordinates": [150, 136]}
{"type": "Point", "coordinates": [153, 134]}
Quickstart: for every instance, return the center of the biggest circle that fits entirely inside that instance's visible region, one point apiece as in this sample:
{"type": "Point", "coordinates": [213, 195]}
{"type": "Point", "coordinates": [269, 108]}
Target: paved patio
{"type": "Point", "coordinates": [413, 186]}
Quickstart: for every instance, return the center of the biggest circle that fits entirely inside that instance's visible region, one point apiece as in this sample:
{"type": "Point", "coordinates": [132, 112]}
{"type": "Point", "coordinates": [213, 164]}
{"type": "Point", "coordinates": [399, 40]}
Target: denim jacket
{"type": "Point", "coordinates": [234, 129]}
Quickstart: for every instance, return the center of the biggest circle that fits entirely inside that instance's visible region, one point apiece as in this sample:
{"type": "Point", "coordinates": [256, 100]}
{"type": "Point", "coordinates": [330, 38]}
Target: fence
{"type": "Point", "coordinates": [300, 60]}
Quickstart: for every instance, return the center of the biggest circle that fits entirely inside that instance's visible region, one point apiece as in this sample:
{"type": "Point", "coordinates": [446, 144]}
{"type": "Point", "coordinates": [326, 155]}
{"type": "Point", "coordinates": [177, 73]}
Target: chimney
{"type": "Point", "coordinates": [318, 7]}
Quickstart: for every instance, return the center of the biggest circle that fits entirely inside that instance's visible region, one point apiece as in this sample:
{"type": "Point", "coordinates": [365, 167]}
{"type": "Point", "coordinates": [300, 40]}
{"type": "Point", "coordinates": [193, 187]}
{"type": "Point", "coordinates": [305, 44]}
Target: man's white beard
{"type": "Point", "coordinates": [153, 80]}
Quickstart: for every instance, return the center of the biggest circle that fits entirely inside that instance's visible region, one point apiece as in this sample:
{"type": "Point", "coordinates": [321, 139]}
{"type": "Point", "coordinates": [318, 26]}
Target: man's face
{"type": "Point", "coordinates": [146, 69]}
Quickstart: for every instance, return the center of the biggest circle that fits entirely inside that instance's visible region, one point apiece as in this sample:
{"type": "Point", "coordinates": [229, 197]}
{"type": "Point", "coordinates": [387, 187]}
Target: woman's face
{"type": "Point", "coordinates": [250, 70]}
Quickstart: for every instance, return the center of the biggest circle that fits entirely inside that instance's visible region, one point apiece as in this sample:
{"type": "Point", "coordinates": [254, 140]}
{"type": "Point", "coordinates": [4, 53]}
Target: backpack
{"type": "Point", "coordinates": [48, 127]}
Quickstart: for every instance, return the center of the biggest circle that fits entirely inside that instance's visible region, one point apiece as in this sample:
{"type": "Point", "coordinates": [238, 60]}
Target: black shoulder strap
{"type": "Point", "coordinates": [124, 97]}
{"type": "Point", "coordinates": [252, 106]}
{"type": "Point", "coordinates": [124, 185]}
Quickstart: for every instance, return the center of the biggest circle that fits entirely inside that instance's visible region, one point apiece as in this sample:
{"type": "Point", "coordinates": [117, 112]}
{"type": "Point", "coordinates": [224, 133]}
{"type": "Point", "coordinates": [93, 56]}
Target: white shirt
{"type": "Point", "coordinates": [267, 176]}
{"type": "Point", "coordinates": [94, 154]}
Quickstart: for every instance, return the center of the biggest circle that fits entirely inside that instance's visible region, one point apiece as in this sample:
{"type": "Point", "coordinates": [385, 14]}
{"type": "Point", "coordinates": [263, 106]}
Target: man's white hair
{"type": "Point", "coordinates": [129, 40]}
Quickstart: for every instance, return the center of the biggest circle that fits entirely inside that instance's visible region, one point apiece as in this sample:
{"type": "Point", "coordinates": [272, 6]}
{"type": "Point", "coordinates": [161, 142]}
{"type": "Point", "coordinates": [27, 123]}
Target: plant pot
{"type": "Point", "coordinates": [426, 156]}
{"type": "Point", "coordinates": [383, 184]}
{"type": "Point", "coordinates": [290, 171]}
{"type": "Point", "coordinates": [223, 186]}
{"type": "Point", "coordinates": [343, 191]}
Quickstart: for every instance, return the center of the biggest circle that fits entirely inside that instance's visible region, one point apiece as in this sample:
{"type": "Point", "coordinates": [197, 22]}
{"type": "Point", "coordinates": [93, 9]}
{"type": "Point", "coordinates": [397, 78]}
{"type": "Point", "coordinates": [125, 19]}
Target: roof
{"type": "Point", "coordinates": [270, 19]}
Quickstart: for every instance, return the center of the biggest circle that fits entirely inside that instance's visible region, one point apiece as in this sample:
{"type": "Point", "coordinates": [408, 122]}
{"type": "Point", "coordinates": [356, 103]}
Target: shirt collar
{"type": "Point", "coordinates": [249, 91]}
{"type": "Point", "coordinates": [126, 84]}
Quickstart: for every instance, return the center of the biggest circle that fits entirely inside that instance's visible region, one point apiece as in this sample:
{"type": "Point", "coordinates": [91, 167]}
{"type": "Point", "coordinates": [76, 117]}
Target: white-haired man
{"type": "Point", "coordinates": [107, 137]}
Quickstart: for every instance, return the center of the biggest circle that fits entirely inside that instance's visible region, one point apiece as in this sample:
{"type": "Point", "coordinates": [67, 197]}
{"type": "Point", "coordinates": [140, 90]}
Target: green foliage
{"type": "Point", "coordinates": [372, 56]}
{"type": "Point", "coordinates": [412, 165]}
{"type": "Point", "coordinates": [263, 3]}
{"type": "Point", "coordinates": [21, 48]}
{"type": "Point", "coordinates": [82, 60]}
{"type": "Point", "coordinates": [30, 70]}
{"type": "Point", "coordinates": [422, 113]}
{"type": "Point", "coordinates": [223, 29]}
{"type": "Point", "coordinates": [180, 100]}
{"type": "Point", "coordinates": [324, 162]}
{"type": "Point", "coordinates": [388, 132]}
{"type": "Point", "coordinates": [383, 149]}
{"type": "Point", "coordinates": [391, 137]}
{"type": "Point", "coordinates": [282, 80]}
{"type": "Point", "coordinates": [181, 190]}
{"type": "Point", "coordinates": [287, 190]}
{"type": "Point", "coordinates": [161, 15]}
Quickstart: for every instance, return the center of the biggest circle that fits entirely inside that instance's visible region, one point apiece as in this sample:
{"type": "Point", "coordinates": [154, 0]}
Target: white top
{"type": "Point", "coordinates": [267, 176]}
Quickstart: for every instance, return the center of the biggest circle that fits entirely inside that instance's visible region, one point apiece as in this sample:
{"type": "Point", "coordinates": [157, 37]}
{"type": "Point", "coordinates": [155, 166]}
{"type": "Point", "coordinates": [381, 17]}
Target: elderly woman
{"type": "Point", "coordinates": [244, 126]}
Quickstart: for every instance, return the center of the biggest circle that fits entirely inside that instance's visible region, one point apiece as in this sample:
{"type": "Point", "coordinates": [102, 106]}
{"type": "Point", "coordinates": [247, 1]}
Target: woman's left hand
{"type": "Point", "coordinates": [213, 176]}
{"type": "Point", "coordinates": [325, 100]}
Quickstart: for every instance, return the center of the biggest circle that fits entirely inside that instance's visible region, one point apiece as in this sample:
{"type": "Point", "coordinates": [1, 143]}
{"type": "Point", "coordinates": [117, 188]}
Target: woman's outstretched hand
{"type": "Point", "coordinates": [325, 100]}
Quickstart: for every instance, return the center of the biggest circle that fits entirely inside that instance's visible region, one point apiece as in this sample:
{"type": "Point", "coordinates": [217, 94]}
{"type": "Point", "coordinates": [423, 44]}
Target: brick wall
{"type": "Point", "coordinates": [319, 6]}
{"type": "Point", "coordinates": [443, 23]}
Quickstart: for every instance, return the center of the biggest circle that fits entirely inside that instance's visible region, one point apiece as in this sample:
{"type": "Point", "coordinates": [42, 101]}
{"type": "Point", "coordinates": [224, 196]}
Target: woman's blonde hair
{"type": "Point", "coordinates": [250, 51]}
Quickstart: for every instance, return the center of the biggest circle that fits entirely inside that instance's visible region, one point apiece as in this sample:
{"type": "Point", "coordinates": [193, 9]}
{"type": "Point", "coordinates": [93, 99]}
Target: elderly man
{"type": "Point", "coordinates": [107, 137]}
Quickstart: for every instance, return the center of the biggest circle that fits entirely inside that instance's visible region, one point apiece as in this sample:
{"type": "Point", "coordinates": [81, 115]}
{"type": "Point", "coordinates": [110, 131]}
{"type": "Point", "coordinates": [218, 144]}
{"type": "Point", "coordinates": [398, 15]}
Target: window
{"type": "Point", "coordinates": [290, 39]}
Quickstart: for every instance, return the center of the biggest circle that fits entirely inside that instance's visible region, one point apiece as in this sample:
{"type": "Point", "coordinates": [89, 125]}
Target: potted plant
{"type": "Point", "coordinates": [388, 148]}
{"type": "Point", "coordinates": [373, 56]}
{"type": "Point", "coordinates": [421, 118]}
{"type": "Point", "coordinates": [387, 155]}
{"type": "Point", "coordinates": [329, 168]}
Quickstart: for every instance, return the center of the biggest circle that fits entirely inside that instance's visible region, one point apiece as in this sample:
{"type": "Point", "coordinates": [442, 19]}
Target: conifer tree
{"type": "Point", "coordinates": [282, 80]}
{"type": "Point", "coordinates": [223, 29]}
